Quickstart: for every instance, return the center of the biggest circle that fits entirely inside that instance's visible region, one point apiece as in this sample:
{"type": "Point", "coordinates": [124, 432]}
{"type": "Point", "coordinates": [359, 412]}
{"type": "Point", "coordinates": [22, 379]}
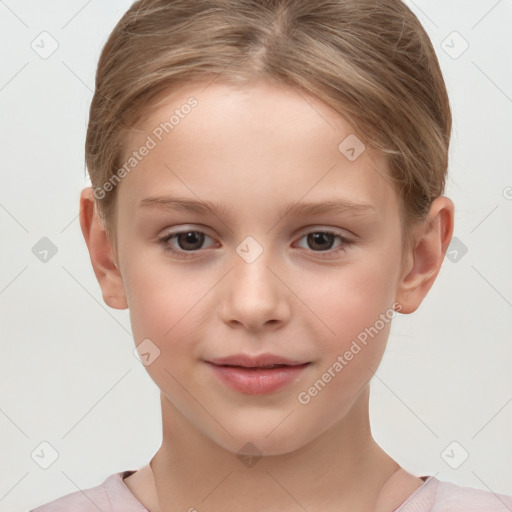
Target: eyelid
{"type": "Point", "coordinates": [184, 228]}
{"type": "Point", "coordinates": [314, 228]}
{"type": "Point", "coordinates": [175, 232]}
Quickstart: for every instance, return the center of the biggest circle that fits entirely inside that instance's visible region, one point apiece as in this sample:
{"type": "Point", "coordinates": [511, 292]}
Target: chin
{"type": "Point", "coordinates": [268, 438]}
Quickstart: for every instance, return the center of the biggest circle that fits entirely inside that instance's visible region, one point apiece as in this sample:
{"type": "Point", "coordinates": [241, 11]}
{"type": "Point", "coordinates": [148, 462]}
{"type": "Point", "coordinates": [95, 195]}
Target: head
{"type": "Point", "coordinates": [254, 109]}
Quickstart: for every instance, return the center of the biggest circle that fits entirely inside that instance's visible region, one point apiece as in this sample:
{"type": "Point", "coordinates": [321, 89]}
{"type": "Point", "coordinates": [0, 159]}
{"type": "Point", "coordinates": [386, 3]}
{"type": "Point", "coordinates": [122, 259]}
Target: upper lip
{"type": "Point", "coordinates": [258, 361]}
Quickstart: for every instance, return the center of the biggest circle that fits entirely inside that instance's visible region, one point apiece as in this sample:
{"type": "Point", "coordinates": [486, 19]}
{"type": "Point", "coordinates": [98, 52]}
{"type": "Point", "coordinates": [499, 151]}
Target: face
{"type": "Point", "coordinates": [258, 270]}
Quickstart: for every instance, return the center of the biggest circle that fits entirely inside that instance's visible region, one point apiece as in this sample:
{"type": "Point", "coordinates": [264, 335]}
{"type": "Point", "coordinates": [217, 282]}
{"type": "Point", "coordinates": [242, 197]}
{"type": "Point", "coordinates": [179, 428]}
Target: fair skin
{"type": "Point", "coordinates": [253, 150]}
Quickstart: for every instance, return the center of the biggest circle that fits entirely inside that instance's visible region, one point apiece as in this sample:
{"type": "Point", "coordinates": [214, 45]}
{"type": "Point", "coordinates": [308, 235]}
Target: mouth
{"type": "Point", "coordinates": [262, 361]}
{"type": "Point", "coordinates": [264, 367]}
{"type": "Point", "coordinates": [257, 375]}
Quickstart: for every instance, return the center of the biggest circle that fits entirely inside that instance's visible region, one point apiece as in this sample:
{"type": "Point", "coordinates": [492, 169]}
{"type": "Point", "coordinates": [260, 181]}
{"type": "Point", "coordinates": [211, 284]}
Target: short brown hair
{"type": "Point", "coordinates": [369, 60]}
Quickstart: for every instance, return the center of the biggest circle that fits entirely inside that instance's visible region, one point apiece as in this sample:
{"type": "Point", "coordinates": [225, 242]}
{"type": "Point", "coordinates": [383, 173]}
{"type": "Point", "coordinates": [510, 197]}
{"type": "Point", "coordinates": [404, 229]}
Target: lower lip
{"type": "Point", "coordinates": [257, 381]}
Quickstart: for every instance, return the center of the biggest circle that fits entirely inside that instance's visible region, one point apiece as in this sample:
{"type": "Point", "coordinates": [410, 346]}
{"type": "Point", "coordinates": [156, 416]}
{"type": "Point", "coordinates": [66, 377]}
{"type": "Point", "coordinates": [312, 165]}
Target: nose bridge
{"type": "Point", "coordinates": [254, 295]}
{"type": "Point", "coordinates": [251, 271]}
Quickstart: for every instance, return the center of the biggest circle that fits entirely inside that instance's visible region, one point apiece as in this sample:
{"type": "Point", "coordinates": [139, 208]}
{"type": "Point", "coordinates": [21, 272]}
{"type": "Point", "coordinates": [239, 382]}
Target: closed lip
{"type": "Point", "coordinates": [255, 361]}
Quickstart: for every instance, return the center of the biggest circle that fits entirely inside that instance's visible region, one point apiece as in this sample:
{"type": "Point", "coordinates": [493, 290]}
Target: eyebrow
{"type": "Point", "coordinates": [329, 205]}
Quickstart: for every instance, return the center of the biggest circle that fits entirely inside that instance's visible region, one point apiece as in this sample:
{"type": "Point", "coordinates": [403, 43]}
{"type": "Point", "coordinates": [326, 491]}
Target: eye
{"type": "Point", "coordinates": [183, 242]}
{"type": "Point", "coordinates": [186, 243]}
{"type": "Point", "coordinates": [323, 241]}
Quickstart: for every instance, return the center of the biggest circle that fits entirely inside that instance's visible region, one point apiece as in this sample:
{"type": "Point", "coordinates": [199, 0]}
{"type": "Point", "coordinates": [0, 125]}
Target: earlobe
{"type": "Point", "coordinates": [424, 263]}
{"type": "Point", "coordinates": [101, 253]}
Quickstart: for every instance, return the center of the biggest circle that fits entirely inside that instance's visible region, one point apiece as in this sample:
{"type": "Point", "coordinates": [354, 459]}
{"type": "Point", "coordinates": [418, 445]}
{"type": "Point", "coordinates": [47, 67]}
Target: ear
{"type": "Point", "coordinates": [431, 240]}
{"type": "Point", "coordinates": [101, 252]}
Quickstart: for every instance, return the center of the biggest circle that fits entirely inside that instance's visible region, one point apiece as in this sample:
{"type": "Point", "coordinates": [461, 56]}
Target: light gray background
{"type": "Point", "coordinates": [68, 373]}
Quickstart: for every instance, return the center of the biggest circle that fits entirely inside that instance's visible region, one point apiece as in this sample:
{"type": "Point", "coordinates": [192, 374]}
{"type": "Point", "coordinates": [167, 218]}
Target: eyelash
{"type": "Point", "coordinates": [164, 241]}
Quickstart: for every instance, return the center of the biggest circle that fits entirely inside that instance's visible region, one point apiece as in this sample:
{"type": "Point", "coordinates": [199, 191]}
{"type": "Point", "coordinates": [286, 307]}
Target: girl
{"type": "Point", "coordinates": [227, 141]}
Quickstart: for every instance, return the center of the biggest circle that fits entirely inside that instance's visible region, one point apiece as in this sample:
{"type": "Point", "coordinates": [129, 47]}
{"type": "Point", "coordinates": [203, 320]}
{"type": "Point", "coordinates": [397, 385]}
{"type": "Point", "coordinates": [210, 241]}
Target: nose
{"type": "Point", "coordinates": [254, 297]}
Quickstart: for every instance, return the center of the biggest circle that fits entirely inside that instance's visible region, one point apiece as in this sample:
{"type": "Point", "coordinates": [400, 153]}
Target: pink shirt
{"type": "Point", "coordinates": [433, 496]}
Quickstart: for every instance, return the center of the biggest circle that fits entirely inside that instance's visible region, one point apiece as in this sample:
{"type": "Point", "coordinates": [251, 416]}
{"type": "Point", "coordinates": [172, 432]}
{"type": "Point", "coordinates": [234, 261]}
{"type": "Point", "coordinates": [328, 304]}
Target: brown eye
{"type": "Point", "coordinates": [185, 243]}
{"type": "Point", "coordinates": [320, 241]}
{"type": "Point", "coordinates": [323, 243]}
{"type": "Point", "coordinates": [190, 240]}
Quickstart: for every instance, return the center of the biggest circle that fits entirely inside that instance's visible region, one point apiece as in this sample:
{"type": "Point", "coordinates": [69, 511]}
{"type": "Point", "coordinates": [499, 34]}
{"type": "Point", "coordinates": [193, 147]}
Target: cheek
{"type": "Point", "coordinates": [359, 322]}
{"type": "Point", "coordinates": [151, 306]}
{"type": "Point", "coordinates": [168, 305]}
{"type": "Point", "coordinates": [350, 299]}
{"type": "Point", "coordinates": [166, 308]}
{"type": "Point", "coordinates": [161, 309]}
{"type": "Point", "coordinates": [355, 306]}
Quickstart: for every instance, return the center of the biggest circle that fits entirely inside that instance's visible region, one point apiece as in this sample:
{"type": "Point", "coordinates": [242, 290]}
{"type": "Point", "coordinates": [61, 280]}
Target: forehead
{"type": "Point", "coordinates": [260, 140]}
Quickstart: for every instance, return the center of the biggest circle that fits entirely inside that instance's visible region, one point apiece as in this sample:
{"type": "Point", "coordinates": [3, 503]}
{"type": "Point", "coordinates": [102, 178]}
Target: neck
{"type": "Point", "coordinates": [342, 469]}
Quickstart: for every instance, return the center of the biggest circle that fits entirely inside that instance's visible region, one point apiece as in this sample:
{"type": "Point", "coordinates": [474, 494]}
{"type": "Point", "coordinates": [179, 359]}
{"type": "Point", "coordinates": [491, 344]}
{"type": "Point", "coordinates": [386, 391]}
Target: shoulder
{"type": "Point", "coordinates": [88, 500]}
{"type": "Point", "coordinates": [439, 496]}
{"type": "Point", "coordinates": [453, 498]}
{"type": "Point", "coordinates": [110, 496]}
